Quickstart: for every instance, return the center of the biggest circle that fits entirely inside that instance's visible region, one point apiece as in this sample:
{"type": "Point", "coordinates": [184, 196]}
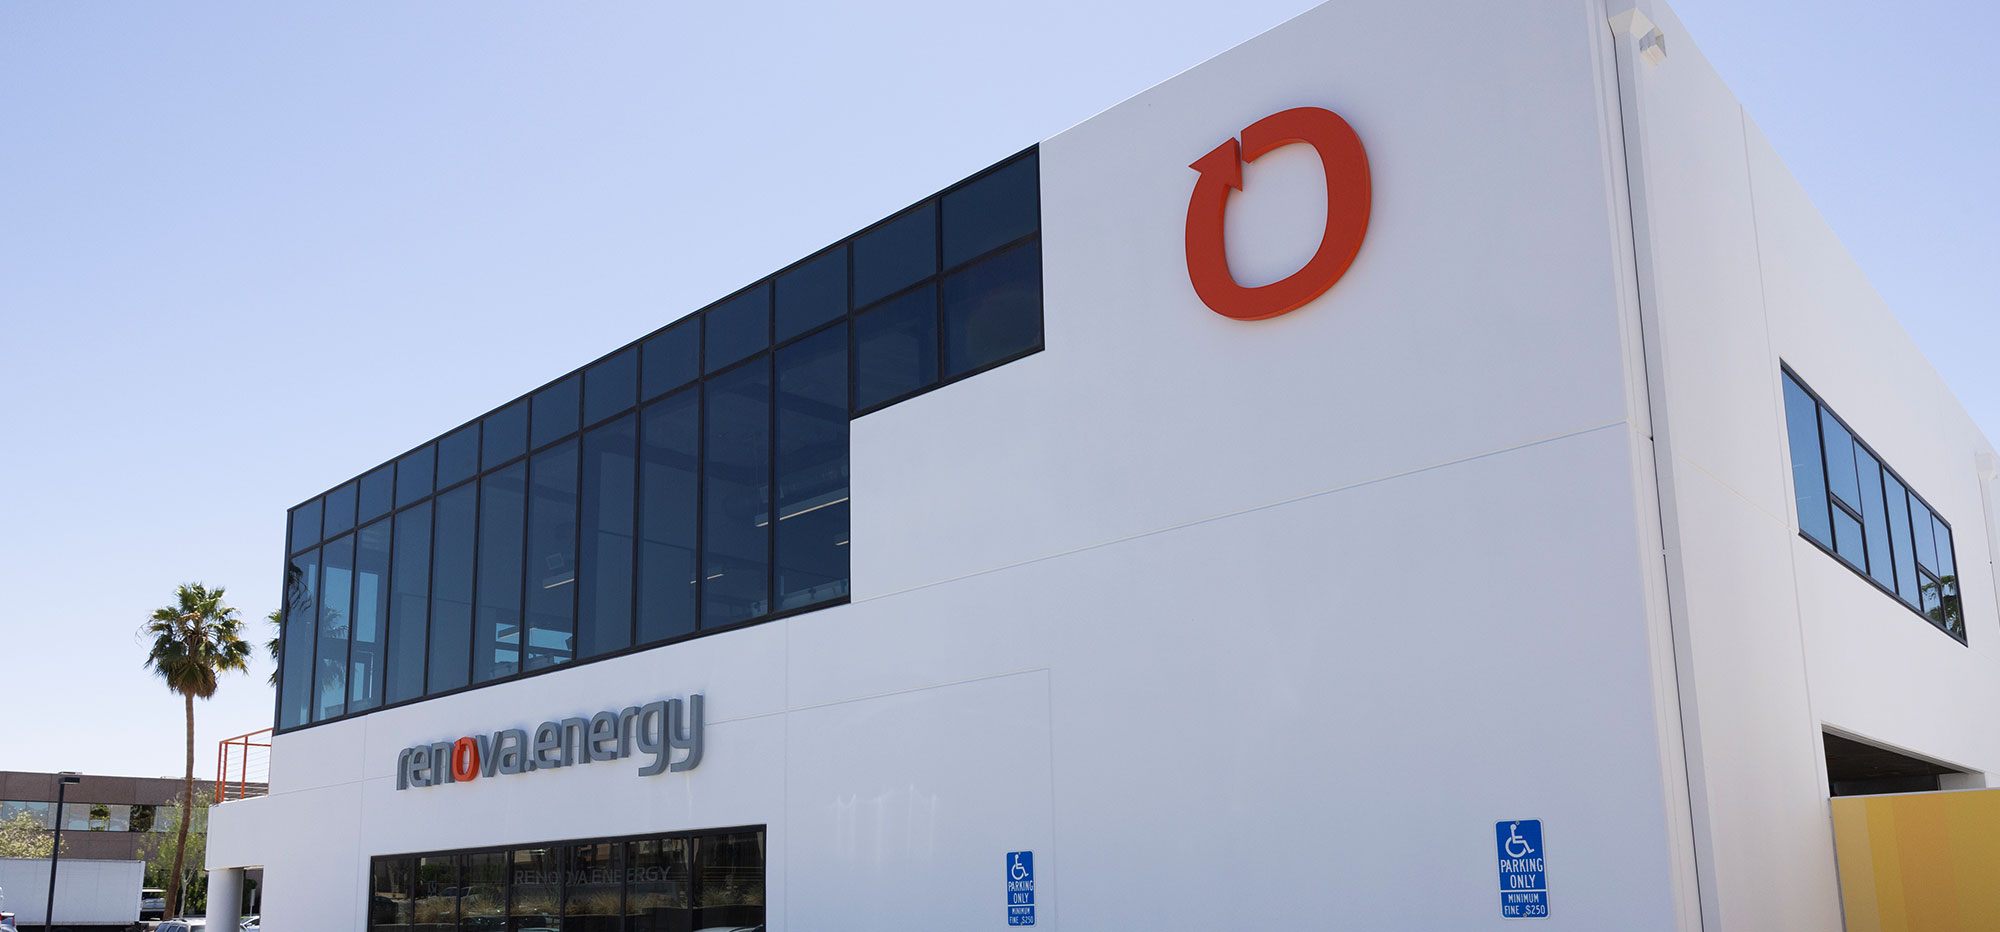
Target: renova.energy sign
{"type": "Point", "coordinates": [658, 729]}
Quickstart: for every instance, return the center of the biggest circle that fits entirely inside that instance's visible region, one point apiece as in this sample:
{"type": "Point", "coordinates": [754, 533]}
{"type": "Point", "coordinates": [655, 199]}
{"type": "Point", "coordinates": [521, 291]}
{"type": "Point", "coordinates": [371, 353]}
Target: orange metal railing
{"type": "Point", "coordinates": [243, 766]}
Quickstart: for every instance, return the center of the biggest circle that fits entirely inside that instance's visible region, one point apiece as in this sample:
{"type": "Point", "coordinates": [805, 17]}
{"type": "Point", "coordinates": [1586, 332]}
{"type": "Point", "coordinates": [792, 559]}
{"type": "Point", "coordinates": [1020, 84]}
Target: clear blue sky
{"type": "Point", "coordinates": [248, 250]}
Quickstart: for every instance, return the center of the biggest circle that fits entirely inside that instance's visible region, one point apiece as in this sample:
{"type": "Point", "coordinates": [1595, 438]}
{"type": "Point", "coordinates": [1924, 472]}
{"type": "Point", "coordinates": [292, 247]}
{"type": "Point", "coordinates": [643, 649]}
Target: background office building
{"type": "Point", "coordinates": [1537, 474]}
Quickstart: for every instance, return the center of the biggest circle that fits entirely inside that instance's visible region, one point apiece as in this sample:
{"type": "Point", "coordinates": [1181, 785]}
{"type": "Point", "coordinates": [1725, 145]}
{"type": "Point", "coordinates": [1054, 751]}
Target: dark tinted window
{"type": "Point", "coordinates": [554, 414]}
{"type": "Point", "coordinates": [503, 435]}
{"type": "Point", "coordinates": [895, 255]}
{"type": "Point", "coordinates": [409, 604]}
{"type": "Point", "coordinates": [551, 597]}
{"type": "Point", "coordinates": [300, 627]}
{"type": "Point", "coordinates": [607, 516]}
{"type": "Point", "coordinates": [669, 491]}
{"type": "Point", "coordinates": [451, 588]}
{"type": "Point", "coordinates": [658, 897]}
{"type": "Point", "coordinates": [496, 633]}
{"type": "Point", "coordinates": [340, 510]}
{"type": "Point", "coordinates": [534, 903]}
{"type": "Point", "coordinates": [336, 586]}
{"type": "Point", "coordinates": [305, 525]}
{"type": "Point", "coordinates": [812, 294]}
{"type": "Point", "coordinates": [371, 612]}
{"type": "Point", "coordinates": [378, 493]}
{"type": "Point", "coordinates": [436, 895]}
{"type": "Point", "coordinates": [736, 467]}
{"type": "Point", "coordinates": [458, 456]}
{"type": "Point", "coordinates": [895, 348]}
{"type": "Point", "coordinates": [414, 473]}
{"type": "Point", "coordinates": [611, 386]}
{"type": "Point", "coordinates": [998, 209]}
{"type": "Point", "coordinates": [671, 358]}
{"type": "Point", "coordinates": [594, 888]}
{"type": "Point", "coordinates": [1808, 473]}
{"type": "Point", "coordinates": [993, 310]}
{"type": "Point", "coordinates": [729, 880]}
{"type": "Point", "coordinates": [389, 894]}
{"type": "Point", "coordinates": [737, 327]}
{"type": "Point", "coordinates": [812, 470]}
{"type": "Point", "coordinates": [482, 903]}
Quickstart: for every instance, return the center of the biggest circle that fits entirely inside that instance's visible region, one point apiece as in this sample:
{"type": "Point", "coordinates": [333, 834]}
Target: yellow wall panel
{"type": "Point", "coordinates": [1922, 862]}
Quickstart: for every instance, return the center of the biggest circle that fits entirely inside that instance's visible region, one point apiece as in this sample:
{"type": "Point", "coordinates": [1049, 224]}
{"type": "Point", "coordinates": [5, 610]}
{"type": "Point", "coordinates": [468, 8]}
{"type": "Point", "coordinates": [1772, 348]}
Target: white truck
{"type": "Point", "coordinates": [103, 894]}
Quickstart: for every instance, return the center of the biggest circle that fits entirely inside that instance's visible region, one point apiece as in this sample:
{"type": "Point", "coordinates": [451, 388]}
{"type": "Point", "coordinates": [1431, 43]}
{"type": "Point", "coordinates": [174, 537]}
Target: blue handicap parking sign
{"type": "Point", "coordinates": [1524, 881]}
{"type": "Point", "coordinates": [1020, 888]}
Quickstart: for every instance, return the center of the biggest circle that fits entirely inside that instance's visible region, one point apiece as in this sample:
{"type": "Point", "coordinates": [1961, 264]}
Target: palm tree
{"type": "Point", "coordinates": [194, 639]}
{"type": "Point", "coordinates": [275, 646]}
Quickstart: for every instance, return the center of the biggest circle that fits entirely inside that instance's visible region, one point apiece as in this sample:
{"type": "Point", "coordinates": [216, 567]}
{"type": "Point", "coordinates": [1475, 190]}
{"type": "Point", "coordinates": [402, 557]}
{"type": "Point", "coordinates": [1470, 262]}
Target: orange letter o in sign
{"type": "Point", "coordinates": [1347, 190]}
{"type": "Point", "coordinates": [464, 759]}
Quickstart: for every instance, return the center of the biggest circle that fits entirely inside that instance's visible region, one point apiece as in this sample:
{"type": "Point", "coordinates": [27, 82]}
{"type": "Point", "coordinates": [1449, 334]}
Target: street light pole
{"type": "Point", "coordinates": [64, 781]}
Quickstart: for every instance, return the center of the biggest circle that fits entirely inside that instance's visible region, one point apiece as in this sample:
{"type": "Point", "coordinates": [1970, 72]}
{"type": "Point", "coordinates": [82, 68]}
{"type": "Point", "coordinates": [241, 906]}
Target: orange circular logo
{"type": "Point", "coordinates": [1346, 166]}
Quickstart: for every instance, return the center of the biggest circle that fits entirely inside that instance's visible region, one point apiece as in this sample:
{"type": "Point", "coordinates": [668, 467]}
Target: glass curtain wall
{"type": "Point", "coordinates": [692, 481]}
{"type": "Point", "coordinates": [655, 883]}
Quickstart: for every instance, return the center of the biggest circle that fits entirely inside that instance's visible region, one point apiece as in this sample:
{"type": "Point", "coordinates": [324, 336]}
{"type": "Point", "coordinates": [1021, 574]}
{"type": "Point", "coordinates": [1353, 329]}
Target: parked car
{"type": "Point", "coordinates": [152, 903]}
{"type": "Point", "coordinates": [183, 924]}
{"type": "Point", "coordinates": [6, 922]}
{"type": "Point", "coordinates": [251, 923]}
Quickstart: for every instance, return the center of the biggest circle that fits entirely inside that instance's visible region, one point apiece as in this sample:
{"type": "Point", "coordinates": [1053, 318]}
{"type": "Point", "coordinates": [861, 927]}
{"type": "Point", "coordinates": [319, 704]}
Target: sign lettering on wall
{"type": "Point", "coordinates": [658, 729]}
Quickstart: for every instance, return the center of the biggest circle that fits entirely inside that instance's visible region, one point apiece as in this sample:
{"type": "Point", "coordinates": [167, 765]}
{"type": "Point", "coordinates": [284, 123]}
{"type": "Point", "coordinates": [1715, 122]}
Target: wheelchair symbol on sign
{"type": "Point", "coordinates": [1018, 871]}
{"type": "Point", "coordinates": [1514, 838]}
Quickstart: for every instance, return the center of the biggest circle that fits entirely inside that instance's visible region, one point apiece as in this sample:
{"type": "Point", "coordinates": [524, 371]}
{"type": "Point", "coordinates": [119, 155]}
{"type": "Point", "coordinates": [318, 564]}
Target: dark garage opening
{"type": "Point", "coordinates": [1857, 769]}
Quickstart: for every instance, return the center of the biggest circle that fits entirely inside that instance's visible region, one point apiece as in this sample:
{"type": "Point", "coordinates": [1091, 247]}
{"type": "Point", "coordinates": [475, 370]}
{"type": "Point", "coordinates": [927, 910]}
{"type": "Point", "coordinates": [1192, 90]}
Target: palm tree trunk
{"type": "Point", "coordinates": [187, 815]}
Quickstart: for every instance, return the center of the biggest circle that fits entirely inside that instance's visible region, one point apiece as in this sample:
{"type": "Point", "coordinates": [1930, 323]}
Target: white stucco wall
{"type": "Point", "coordinates": [1237, 623]}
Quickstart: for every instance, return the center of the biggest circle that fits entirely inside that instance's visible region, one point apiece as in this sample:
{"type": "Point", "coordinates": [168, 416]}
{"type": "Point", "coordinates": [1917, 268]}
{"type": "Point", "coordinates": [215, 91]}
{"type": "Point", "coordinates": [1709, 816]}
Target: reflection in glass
{"type": "Point", "coordinates": [555, 411]}
{"type": "Point", "coordinates": [1874, 518]}
{"type": "Point", "coordinates": [895, 348]}
{"type": "Point", "coordinates": [336, 609]}
{"type": "Point", "coordinates": [812, 469]}
{"type": "Point", "coordinates": [434, 906]}
{"type": "Point", "coordinates": [551, 560]}
{"type": "Point", "coordinates": [593, 892]}
{"type": "Point", "coordinates": [504, 435]}
{"type": "Point", "coordinates": [736, 475]}
{"type": "Point", "coordinates": [301, 621]}
{"type": "Point", "coordinates": [993, 310]}
{"type": "Point", "coordinates": [371, 608]}
{"type": "Point", "coordinates": [414, 474]}
{"type": "Point", "coordinates": [378, 493]}
{"type": "Point", "coordinates": [1840, 476]}
{"type": "Point", "coordinates": [604, 600]}
{"type": "Point", "coordinates": [668, 498]}
{"type": "Point", "coordinates": [610, 386]}
{"type": "Point", "coordinates": [1905, 551]}
{"type": "Point", "coordinates": [670, 359]}
{"type": "Point", "coordinates": [812, 294]}
{"type": "Point", "coordinates": [998, 209]}
{"type": "Point", "coordinates": [305, 525]}
{"type": "Point", "coordinates": [895, 255]}
{"type": "Point", "coordinates": [535, 893]}
{"type": "Point", "coordinates": [656, 893]}
{"type": "Point", "coordinates": [451, 588]}
{"type": "Point", "coordinates": [340, 510]}
{"type": "Point", "coordinates": [496, 642]}
{"type": "Point", "coordinates": [737, 328]}
{"type": "Point", "coordinates": [1847, 538]}
{"type": "Point", "coordinates": [458, 455]}
{"type": "Point", "coordinates": [482, 903]}
{"type": "Point", "coordinates": [409, 604]}
{"type": "Point", "coordinates": [389, 902]}
{"type": "Point", "coordinates": [729, 880]}
{"type": "Point", "coordinates": [1808, 476]}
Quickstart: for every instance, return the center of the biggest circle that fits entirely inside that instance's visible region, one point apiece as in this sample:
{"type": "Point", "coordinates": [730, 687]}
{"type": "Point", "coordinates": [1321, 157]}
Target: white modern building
{"type": "Point", "coordinates": [1557, 557]}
